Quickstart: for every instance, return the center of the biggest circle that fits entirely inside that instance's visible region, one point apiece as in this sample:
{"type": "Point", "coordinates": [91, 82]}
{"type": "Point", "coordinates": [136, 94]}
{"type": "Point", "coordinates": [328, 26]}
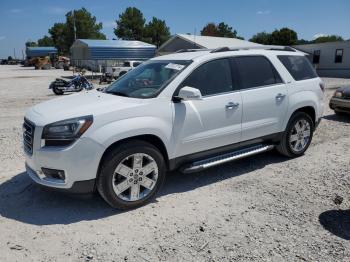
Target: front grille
{"type": "Point", "coordinates": [28, 136]}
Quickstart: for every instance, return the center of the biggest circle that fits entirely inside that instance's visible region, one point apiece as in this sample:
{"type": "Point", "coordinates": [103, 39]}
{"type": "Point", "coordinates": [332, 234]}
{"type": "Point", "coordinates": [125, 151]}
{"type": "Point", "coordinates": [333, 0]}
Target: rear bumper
{"type": "Point", "coordinates": [339, 104]}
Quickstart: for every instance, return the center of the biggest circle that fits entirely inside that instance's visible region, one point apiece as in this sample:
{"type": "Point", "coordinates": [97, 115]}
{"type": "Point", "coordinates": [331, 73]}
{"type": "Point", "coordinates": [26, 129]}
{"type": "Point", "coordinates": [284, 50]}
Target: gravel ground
{"type": "Point", "coordinates": [263, 208]}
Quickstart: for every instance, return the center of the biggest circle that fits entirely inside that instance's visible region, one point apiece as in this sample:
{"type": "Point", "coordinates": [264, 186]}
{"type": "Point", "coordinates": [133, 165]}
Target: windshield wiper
{"type": "Point", "coordinates": [117, 93]}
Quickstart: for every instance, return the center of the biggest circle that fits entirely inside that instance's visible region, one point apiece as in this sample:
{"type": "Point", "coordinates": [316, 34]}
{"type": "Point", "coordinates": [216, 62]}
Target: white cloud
{"type": "Point", "coordinates": [16, 10]}
{"type": "Point", "coordinates": [263, 12]}
{"type": "Point", "coordinates": [109, 24]}
{"type": "Point", "coordinates": [57, 10]}
{"type": "Point", "coordinates": [319, 35]}
{"type": "Point", "coordinates": [2, 37]}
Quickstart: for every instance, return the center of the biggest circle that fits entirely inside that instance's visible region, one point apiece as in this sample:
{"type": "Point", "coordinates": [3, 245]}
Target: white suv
{"type": "Point", "coordinates": [185, 111]}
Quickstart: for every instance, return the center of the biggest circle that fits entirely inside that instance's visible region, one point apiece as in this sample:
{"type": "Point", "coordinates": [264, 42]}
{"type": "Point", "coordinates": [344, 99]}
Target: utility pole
{"type": "Point", "coordinates": [14, 53]}
{"type": "Point", "coordinates": [75, 30]}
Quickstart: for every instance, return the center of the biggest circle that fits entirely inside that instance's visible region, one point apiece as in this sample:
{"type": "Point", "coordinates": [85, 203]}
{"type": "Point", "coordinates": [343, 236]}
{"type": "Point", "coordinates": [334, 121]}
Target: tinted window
{"type": "Point", "coordinates": [316, 57]}
{"type": "Point", "coordinates": [338, 56]}
{"type": "Point", "coordinates": [256, 71]}
{"type": "Point", "coordinates": [298, 66]}
{"type": "Point", "coordinates": [126, 64]}
{"type": "Point", "coordinates": [211, 78]}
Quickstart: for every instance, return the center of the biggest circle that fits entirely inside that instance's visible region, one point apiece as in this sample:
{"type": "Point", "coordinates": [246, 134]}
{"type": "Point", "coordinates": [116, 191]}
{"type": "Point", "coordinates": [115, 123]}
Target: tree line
{"type": "Point", "coordinates": [131, 25]}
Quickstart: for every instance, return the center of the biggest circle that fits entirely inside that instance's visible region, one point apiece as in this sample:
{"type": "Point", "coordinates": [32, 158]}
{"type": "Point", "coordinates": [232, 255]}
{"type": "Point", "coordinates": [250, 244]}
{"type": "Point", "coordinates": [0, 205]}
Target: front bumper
{"type": "Point", "coordinates": [79, 162]}
{"type": "Point", "coordinates": [78, 187]}
{"type": "Point", "coordinates": [339, 104]}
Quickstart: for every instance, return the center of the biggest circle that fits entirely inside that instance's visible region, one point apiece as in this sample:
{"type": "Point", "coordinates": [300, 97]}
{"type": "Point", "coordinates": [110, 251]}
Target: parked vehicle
{"type": "Point", "coordinates": [340, 102]}
{"type": "Point", "coordinates": [78, 83]}
{"type": "Point", "coordinates": [106, 78]}
{"type": "Point", "coordinates": [118, 71]}
{"type": "Point", "coordinates": [186, 111]}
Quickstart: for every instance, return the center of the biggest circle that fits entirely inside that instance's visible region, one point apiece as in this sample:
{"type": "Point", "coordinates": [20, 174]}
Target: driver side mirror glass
{"type": "Point", "coordinates": [189, 93]}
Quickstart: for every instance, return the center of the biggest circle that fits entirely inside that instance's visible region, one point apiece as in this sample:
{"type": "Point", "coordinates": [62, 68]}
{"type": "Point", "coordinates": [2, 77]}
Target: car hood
{"type": "Point", "coordinates": [81, 104]}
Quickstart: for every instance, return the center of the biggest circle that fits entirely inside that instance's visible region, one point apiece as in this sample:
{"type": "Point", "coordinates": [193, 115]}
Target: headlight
{"type": "Point", "coordinates": [65, 132]}
{"type": "Point", "coordinates": [338, 94]}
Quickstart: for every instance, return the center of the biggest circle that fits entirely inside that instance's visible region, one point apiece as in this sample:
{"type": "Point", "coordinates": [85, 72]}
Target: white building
{"type": "Point", "coordinates": [183, 41]}
{"type": "Point", "coordinates": [330, 59]}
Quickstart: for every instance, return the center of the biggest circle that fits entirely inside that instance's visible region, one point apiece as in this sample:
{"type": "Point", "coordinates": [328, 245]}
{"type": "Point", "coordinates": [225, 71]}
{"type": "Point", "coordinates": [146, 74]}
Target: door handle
{"type": "Point", "coordinates": [280, 96]}
{"type": "Point", "coordinates": [232, 105]}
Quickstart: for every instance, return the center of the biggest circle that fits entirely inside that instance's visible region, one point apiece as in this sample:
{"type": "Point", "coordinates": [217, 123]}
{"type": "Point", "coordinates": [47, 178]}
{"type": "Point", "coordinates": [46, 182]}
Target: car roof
{"type": "Point", "coordinates": [206, 53]}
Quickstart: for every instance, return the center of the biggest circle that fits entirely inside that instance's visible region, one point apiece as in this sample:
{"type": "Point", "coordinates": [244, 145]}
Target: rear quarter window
{"type": "Point", "coordinates": [298, 66]}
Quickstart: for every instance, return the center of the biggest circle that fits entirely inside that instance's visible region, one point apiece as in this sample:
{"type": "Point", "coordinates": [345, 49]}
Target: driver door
{"type": "Point", "coordinates": [214, 121]}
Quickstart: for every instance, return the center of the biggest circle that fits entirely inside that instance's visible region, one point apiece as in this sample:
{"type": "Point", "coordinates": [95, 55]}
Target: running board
{"type": "Point", "coordinates": [217, 160]}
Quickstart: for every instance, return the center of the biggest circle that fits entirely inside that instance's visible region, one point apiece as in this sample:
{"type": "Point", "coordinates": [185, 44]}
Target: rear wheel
{"type": "Point", "coordinates": [57, 91]}
{"type": "Point", "coordinates": [339, 113]}
{"type": "Point", "coordinates": [131, 175]}
{"type": "Point", "coordinates": [298, 135]}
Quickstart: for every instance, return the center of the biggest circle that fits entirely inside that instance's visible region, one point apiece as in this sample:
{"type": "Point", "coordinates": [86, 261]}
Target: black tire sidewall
{"type": "Point", "coordinates": [57, 91]}
{"type": "Point", "coordinates": [116, 156]}
{"type": "Point", "coordinates": [295, 118]}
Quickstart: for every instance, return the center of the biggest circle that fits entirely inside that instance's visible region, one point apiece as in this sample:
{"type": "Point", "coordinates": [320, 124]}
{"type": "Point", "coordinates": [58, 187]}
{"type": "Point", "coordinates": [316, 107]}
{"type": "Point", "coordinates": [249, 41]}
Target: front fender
{"type": "Point", "coordinates": [131, 127]}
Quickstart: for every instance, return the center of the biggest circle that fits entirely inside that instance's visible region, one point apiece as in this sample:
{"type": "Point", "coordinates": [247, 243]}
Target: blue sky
{"type": "Point", "coordinates": [22, 20]}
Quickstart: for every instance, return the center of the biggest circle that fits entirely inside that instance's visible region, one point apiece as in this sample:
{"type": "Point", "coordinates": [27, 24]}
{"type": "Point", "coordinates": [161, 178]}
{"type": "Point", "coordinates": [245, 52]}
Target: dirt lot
{"type": "Point", "coordinates": [264, 208]}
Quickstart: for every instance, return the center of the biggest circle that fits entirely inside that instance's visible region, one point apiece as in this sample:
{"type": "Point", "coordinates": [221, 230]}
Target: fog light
{"type": "Point", "coordinates": [54, 173]}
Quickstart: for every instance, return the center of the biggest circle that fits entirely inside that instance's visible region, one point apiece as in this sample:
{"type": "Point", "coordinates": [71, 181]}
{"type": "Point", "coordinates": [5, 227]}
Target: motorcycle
{"type": "Point", "coordinates": [78, 83]}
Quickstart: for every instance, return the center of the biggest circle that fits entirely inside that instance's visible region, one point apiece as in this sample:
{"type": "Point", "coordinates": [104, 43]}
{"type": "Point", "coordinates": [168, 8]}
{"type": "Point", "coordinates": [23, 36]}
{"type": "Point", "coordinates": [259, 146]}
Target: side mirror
{"type": "Point", "coordinates": [189, 93]}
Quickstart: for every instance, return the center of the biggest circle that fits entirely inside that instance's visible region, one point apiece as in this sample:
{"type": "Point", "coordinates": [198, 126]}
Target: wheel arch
{"type": "Point", "coordinates": [152, 139]}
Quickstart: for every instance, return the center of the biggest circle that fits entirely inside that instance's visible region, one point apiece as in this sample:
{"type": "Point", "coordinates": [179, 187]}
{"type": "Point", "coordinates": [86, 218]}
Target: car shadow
{"type": "Point", "coordinates": [24, 201]}
{"type": "Point", "coordinates": [336, 222]}
{"type": "Point", "coordinates": [345, 118]}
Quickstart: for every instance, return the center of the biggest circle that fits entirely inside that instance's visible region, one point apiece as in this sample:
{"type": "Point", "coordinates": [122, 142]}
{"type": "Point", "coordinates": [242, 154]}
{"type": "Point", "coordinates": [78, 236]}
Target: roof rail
{"type": "Point", "coordinates": [263, 47]}
{"type": "Point", "coordinates": [190, 50]}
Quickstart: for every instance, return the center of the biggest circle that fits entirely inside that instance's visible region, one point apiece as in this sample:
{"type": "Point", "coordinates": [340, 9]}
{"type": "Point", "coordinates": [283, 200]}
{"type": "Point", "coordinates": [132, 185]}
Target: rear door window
{"type": "Point", "coordinates": [298, 66]}
{"type": "Point", "coordinates": [256, 71]}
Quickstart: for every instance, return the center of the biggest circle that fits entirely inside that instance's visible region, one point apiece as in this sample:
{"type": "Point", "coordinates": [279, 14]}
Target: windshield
{"type": "Point", "coordinates": [148, 79]}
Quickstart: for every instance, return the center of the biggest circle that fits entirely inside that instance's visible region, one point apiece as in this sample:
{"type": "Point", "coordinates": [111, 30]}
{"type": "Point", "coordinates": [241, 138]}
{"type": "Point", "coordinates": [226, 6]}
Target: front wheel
{"type": "Point", "coordinates": [298, 135]}
{"type": "Point", "coordinates": [131, 175]}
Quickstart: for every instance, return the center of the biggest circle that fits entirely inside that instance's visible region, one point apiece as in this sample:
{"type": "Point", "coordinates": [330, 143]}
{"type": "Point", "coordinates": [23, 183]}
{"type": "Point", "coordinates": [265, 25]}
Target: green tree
{"type": "Point", "coordinates": [31, 44]}
{"type": "Point", "coordinates": [86, 27]}
{"type": "Point", "coordinates": [58, 34]}
{"type": "Point", "coordinates": [328, 38]}
{"type": "Point", "coordinates": [62, 35]}
{"type": "Point", "coordinates": [220, 30]}
{"type": "Point", "coordinates": [284, 36]}
{"type": "Point", "coordinates": [261, 38]}
{"type": "Point", "coordinates": [130, 25]}
{"type": "Point", "coordinates": [156, 32]}
{"type": "Point", "coordinates": [45, 41]}
{"type": "Point", "coordinates": [304, 42]}
{"type": "Point", "coordinates": [210, 29]}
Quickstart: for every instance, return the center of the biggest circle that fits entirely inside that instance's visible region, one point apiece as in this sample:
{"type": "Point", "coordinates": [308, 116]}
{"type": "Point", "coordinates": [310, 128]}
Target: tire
{"type": "Point", "coordinates": [339, 113]}
{"type": "Point", "coordinates": [294, 143]}
{"type": "Point", "coordinates": [117, 187]}
{"type": "Point", "coordinates": [57, 91]}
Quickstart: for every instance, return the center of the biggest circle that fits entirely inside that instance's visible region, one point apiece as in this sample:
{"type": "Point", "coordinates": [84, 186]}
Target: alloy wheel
{"type": "Point", "coordinates": [300, 135]}
{"type": "Point", "coordinates": [135, 177]}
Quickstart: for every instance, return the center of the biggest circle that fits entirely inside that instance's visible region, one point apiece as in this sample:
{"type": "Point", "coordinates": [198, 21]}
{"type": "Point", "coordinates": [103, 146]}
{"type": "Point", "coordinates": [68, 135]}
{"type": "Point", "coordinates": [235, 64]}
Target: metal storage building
{"type": "Point", "coordinates": [330, 59]}
{"type": "Point", "coordinates": [93, 54]}
{"type": "Point", "coordinates": [183, 41]}
{"type": "Point", "coordinates": [40, 51]}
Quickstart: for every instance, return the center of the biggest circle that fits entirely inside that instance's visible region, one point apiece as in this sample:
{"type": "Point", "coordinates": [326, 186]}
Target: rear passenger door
{"type": "Point", "coordinates": [264, 96]}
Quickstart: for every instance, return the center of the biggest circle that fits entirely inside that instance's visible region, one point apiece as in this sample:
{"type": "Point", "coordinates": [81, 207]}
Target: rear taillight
{"type": "Point", "coordinates": [323, 87]}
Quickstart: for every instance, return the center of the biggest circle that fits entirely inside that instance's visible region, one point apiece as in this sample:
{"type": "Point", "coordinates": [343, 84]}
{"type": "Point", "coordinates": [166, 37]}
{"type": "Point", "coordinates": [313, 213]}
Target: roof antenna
{"type": "Point", "coordinates": [194, 38]}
